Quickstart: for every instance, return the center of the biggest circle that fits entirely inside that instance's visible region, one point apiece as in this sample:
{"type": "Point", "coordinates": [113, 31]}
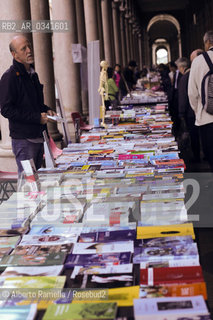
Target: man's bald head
{"type": "Point", "coordinates": [195, 53]}
{"type": "Point", "coordinates": [21, 50]}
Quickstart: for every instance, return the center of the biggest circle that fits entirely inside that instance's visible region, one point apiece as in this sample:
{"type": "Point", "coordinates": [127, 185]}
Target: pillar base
{"type": "Point", "coordinates": [7, 159]}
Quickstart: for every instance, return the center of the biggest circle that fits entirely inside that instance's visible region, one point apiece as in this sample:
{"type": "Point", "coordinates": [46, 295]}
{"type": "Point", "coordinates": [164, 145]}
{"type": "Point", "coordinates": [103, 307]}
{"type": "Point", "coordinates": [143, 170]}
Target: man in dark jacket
{"type": "Point", "coordinates": [128, 76]}
{"type": "Point", "coordinates": [186, 113]}
{"type": "Point", "coordinates": [22, 103]}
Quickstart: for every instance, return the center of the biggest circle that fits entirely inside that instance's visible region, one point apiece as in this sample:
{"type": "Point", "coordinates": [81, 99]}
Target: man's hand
{"type": "Point", "coordinates": [43, 118]}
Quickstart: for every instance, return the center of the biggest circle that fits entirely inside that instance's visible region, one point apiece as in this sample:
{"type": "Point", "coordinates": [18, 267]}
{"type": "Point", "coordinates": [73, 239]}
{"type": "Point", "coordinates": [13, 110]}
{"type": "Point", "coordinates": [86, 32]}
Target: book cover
{"type": "Point", "coordinates": [160, 254]}
{"type": "Point", "coordinates": [36, 282]}
{"type": "Point", "coordinates": [185, 229]}
{"type": "Point", "coordinates": [170, 263]}
{"type": "Point", "coordinates": [176, 290]}
{"type": "Point", "coordinates": [112, 280]}
{"type": "Point", "coordinates": [42, 250]}
{"type": "Point", "coordinates": [103, 247]}
{"type": "Point", "coordinates": [104, 310]}
{"type": "Point", "coordinates": [32, 271]}
{"type": "Point", "coordinates": [104, 259]}
{"type": "Point", "coordinates": [143, 308]}
{"type": "Point", "coordinates": [19, 312]}
{"type": "Point", "coordinates": [122, 268]}
{"type": "Point", "coordinates": [157, 276]}
{"type": "Point", "coordinates": [105, 236]}
{"type": "Point", "coordinates": [48, 240]}
{"type": "Point", "coordinates": [52, 229]}
{"type": "Point", "coordinates": [31, 260]}
{"type": "Point", "coordinates": [124, 296]}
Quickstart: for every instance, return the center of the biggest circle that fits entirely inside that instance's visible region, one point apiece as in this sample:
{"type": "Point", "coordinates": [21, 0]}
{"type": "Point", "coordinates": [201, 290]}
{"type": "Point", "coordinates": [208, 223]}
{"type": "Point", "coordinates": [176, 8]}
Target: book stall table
{"type": "Point", "coordinates": [144, 97]}
{"type": "Point", "coordinates": [107, 235]}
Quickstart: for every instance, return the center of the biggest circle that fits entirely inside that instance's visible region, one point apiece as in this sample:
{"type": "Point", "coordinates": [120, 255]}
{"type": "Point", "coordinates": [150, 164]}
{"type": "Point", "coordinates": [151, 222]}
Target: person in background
{"type": "Point", "coordinates": [165, 79]}
{"type": "Point", "coordinates": [112, 91]}
{"type": "Point", "coordinates": [173, 101]}
{"type": "Point", "coordinates": [204, 120]}
{"type": "Point", "coordinates": [117, 74]}
{"type": "Point", "coordinates": [186, 114]}
{"type": "Point", "coordinates": [129, 77]}
{"type": "Point", "coordinates": [172, 69]}
{"type": "Point", "coordinates": [22, 103]}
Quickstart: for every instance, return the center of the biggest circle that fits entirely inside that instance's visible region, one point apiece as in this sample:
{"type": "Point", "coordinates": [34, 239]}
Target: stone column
{"type": "Point", "coordinates": [66, 72]}
{"type": "Point", "coordinates": [90, 20]}
{"type": "Point", "coordinates": [123, 40]}
{"type": "Point", "coordinates": [140, 51]}
{"type": "Point", "coordinates": [80, 22]}
{"type": "Point", "coordinates": [131, 43]}
{"type": "Point", "coordinates": [9, 10]}
{"type": "Point", "coordinates": [44, 60]}
{"type": "Point", "coordinates": [127, 40]}
{"type": "Point", "coordinates": [117, 34]}
{"type": "Point", "coordinates": [106, 31]}
{"type": "Point", "coordinates": [100, 29]}
{"type": "Point", "coordinates": [82, 40]}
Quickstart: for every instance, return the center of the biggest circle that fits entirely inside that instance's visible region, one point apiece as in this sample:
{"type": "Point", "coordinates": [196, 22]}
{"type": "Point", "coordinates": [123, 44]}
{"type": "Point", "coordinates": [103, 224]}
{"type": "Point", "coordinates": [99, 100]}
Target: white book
{"type": "Point", "coordinates": [171, 263]}
{"type": "Point", "coordinates": [159, 308]}
{"type": "Point", "coordinates": [48, 240]}
{"type": "Point", "coordinates": [122, 268]}
{"type": "Point", "coordinates": [98, 247]}
{"type": "Point", "coordinates": [32, 271]}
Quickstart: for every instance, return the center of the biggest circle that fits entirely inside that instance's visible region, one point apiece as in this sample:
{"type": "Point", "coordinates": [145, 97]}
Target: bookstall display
{"type": "Point", "coordinates": [107, 234]}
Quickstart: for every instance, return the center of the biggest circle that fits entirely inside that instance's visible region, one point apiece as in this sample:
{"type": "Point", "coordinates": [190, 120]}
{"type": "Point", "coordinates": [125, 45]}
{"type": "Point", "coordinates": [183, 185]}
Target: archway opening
{"type": "Point", "coordinates": [162, 56]}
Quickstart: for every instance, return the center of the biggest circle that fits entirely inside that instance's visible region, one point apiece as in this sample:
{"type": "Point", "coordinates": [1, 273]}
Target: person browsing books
{"type": "Point", "coordinates": [22, 103]}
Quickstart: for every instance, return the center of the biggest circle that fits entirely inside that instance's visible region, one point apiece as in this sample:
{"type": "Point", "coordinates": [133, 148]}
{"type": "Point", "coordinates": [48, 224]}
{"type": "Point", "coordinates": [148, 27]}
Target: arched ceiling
{"type": "Point", "coordinates": [161, 5]}
{"type": "Point", "coordinates": [162, 29]}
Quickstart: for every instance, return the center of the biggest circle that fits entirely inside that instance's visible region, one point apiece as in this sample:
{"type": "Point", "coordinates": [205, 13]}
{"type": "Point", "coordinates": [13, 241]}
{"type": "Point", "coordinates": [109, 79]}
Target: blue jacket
{"type": "Point", "coordinates": [22, 102]}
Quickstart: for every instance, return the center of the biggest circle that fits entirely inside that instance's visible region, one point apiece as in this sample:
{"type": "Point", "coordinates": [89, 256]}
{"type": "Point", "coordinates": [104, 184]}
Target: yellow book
{"type": "Point", "coordinates": [185, 229]}
{"type": "Point", "coordinates": [123, 296]}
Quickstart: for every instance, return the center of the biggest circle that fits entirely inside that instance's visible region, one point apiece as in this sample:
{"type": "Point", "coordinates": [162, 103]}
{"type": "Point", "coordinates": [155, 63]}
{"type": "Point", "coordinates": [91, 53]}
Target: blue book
{"type": "Point", "coordinates": [97, 259]}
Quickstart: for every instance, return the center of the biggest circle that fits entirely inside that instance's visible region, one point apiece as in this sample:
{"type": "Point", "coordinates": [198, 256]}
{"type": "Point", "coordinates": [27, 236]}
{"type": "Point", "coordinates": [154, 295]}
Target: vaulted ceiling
{"type": "Point", "coordinates": [161, 5]}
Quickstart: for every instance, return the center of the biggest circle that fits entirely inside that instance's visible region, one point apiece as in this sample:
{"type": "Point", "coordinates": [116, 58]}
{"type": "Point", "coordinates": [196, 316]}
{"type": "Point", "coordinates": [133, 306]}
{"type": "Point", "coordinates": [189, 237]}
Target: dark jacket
{"type": "Point", "coordinates": [128, 75]}
{"type": "Point", "coordinates": [185, 110]}
{"type": "Point", "coordinates": [22, 102]}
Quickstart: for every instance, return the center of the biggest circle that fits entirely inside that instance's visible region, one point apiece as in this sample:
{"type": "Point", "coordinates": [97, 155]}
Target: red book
{"type": "Point", "coordinates": [157, 276]}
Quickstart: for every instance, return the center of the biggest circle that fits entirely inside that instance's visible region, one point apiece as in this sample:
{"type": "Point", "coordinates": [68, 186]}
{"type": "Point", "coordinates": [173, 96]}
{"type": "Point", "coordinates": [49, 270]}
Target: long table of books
{"type": "Point", "coordinates": [147, 96]}
{"type": "Point", "coordinates": [107, 236]}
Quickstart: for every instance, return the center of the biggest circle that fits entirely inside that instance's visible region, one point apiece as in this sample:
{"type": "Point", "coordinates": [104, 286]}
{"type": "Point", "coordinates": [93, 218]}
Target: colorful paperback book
{"type": "Point", "coordinates": [33, 260]}
{"type": "Point", "coordinates": [48, 240]}
{"type": "Point", "coordinates": [105, 310]}
{"type": "Point", "coordinates": [174, 275]}
{"type": "Point", "coordinates": [19, 312]}
{"type": "Point", "coordinates": [160, 253]}
{"type": "Point", "coordinates": [174, 290]}
{"type": "Point", "coordinates": [124, 296]}
{"type": "Point", "coordinates": [185, 229]}
{"type": "Point", "coordinates": [103, 247]}
{"type": "Point", "coordinates": [170, 263]}
{"type": "Point", "coordinates": [105, 259]}
{"type": "Point", "coordinates": [32, 271]}
{"type": "Point", "coordinates": [13, 232]}
{"type": "Point", "coordinates": [52, 229]}
{"type": "Point", "coordinates": [169, 217]}
{"type": "Point", "coordinates": [122, 268]}
{"type": "Point", "coordinates": [175, 316]}
{"type": "Point", "coordinates": [42, 250]}
{"type": "Point", "coordinates": [35, 282]}
{"type": "Point", "coordinates": [101, 281]}
{"type": "Point", "coordinates": [106, 236]}
{"type": "Point", "coordinates": [145, 309]}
